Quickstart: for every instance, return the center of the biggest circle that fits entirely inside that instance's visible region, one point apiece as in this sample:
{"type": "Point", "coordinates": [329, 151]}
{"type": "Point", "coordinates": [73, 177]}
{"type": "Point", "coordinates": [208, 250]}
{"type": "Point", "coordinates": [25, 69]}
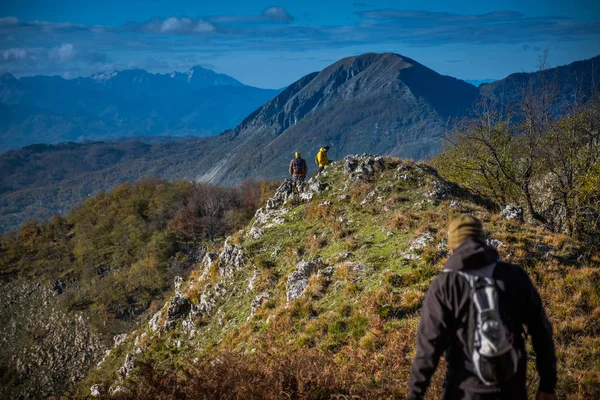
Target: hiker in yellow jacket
{"type": "Point", "coordinates": [321, 158]}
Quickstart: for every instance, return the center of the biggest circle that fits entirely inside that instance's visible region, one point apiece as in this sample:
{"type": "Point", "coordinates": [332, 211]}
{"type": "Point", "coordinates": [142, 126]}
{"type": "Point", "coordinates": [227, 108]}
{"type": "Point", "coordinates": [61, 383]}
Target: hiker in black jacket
{"type": "Point", "coordinates": [447, 323]}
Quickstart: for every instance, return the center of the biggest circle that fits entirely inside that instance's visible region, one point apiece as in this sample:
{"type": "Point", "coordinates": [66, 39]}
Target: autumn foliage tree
{"type": "Point", "coordinates": [526, 154]}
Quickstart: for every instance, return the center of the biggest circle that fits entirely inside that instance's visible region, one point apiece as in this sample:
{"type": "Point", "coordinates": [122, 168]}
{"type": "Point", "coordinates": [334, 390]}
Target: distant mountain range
{"type": "Point", "coordinates": [50, 109]}
{"type": "Point", "coordinates": [374, 103]}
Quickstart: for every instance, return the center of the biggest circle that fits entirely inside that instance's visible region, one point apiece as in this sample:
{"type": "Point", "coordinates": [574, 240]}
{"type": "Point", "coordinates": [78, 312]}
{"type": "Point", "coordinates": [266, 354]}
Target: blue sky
{"type": "Point", "coordinates": [271, 44]}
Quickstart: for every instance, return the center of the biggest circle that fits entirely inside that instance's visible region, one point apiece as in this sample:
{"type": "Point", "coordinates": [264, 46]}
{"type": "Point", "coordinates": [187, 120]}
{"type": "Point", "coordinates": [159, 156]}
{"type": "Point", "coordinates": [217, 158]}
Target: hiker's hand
{"type": "Point", "coordinates": [545, 396]}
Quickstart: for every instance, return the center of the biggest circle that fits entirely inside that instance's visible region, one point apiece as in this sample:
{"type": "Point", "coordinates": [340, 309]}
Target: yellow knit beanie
{"type": "Point", "coordinates": [297, 154]}
{"type": "Point", "coordinates": [462, 228]}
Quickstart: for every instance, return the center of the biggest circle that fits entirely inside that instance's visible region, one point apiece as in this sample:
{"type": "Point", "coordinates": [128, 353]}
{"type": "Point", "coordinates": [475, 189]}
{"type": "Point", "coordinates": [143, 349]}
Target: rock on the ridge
{"type": "Point", "coordinates": [368, 198]}
{"type": "Point", "coordinates": [208, 300]}
{"type": "Point", "coordinates": [256, 233]}
{"type": "Point", "coordinates": [457, 205]}
{"type": "Point", "coordinates": [287, 190]}
{"type": "Point", "coordinates": [326, 272]}
{"type": "Point", "coordinates": [440, 191]}
{"type": "Point", "coordinates": [153, 323]}
{"type": "Point", "coordinates": [117, 390]}
{"type": "Point", "coordinates": [252, 279]}
{"type": "Point", "coordinates": [513, 212]}
{"type": "Point", "coordinates": [257, 302]}
{"type": "Point", "coordinates": [495, 243]}
{"type": "Point", "coordinates": [418, 244]}
{"type": "Point", "coordinates": [359, 166]}
{"type": "Point", "coordinates": [119, 338]}
{"type": "Point", "coordinates": [97, 390]}
{"type": "Point", "coordinates": [128, 366]}
{"type": "Point", "coordinates": [178, 307]}
{"type": "Point", "coordinates": [231, 259]}
{"type": "Point", "coordinates": [313, 186]}
{"type": "Point", "coordinates": [421, 242]}
{"type": "Point", "coordinates": [298, 280]}
{"type": "Point", "coordinates": [207, 262]}
{"type": "Point", "coordinates": [178, 281]}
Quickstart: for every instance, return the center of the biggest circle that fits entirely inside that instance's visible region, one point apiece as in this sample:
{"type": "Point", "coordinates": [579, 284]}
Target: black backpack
{"type": "Point", "coordinates": [299, 166]}
{"type": "Point", "coordinates": [494, 357]}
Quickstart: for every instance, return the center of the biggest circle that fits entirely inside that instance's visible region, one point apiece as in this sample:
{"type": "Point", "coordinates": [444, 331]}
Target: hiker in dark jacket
{"type": "Point", "coordinates": [445, 326]}
{"type": "Point", "coordinates": [298, 168]}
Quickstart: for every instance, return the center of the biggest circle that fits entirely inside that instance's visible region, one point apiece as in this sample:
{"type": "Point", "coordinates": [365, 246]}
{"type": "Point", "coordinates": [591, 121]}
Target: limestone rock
{"type": "Point", "coordinates": [97, 390]}
{"type": "Point", "coordinates": [153, 323]}
{"type": "Point", "coordinates": [314, 186]}
{"type": "Point", "coordinates": [495, 243]}
{"type": "Point", "coordinates": [128, 366]}
{"type": "Point", "coordinates": [178, 282]}
{"type": "Point", "coordinates": [513, 212]}
{"type": "Point", "coordinates": [118, 339]}
{"type": "Point", "coordinates": [252, 279]}
{"type": "Point", "coordinates": [117, 390]}
{"type": "Point", "coordinates": [231, 259]}
{"type": "Point", "coordinates": [298, 280]}
{"type": "Point", "coordinates": [417, 245]}
{"type": "Point", "coordinates": [256, 233]}
{"type": "Point", "coordinates": [360, 166]}
{"type": "Point", "coordinates": [286, 191]}
{"type": "Point", "coordinates": [439, 191]}
{"type": "Point", "coordinates": [207, 262]}
{"type": "Point", "coordinates": [257, 302]}
{"type": "Point", "coordinates": [178, 307]}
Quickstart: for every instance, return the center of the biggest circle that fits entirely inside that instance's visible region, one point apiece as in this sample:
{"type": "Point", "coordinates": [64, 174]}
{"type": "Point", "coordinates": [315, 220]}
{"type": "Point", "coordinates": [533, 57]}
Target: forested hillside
{"type": "Point", "coordinates": [68, 286]}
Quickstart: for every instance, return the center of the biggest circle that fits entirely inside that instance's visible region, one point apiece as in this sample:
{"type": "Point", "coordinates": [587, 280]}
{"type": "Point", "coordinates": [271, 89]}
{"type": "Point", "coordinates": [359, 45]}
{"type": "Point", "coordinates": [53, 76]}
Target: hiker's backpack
{"type": "Point", "coordinates": [489, 342]}
{"type": "Point", "coordinates": [298, 166]}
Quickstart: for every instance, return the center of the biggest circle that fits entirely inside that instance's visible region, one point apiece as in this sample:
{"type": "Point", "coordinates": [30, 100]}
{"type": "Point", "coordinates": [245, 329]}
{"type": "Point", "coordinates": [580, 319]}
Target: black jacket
{"type": "Point", "coordinates": [444, 322]}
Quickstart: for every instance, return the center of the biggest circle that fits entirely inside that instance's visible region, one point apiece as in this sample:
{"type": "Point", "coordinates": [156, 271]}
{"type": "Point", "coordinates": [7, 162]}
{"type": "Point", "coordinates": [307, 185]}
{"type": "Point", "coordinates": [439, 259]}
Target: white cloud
{"type": "Point", "coordinates": [174, 25]}
{"type": "Point", "coordinates": [13, 54]}
{"type": "Point", "coordinates": [277, 14]}
{"type": "Point", "coordinates": [18, 56]}
{"type": "Point", "coordinates": [63, 53]}
{"type": "Point", "coordinates": [8, 21]}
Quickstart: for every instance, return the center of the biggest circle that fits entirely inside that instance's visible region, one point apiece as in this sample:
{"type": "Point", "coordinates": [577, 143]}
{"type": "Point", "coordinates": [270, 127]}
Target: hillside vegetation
{"type": "Point", "coordinates": [545, 165]}
{"type": "Point", "coordinates": [319, 297]}
{"type": "Point", "coordinates": [69, 285]}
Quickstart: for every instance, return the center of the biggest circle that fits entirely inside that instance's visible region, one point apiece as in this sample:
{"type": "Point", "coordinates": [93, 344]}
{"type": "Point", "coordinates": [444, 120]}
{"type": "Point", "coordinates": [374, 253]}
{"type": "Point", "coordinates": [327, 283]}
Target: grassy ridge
{"type": "Point", "coordinates": [352, 333]}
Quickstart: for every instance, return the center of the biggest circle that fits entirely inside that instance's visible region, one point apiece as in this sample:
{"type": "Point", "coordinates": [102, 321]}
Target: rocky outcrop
{"type": "Point", "coordinates": [178, 307]}
{"type": "Point", "coordinates": [360, 166]}
{"type": "Point", "coordinates": [298, 279]}
{"type": "Point", "coordinates": [313, 186]}
{"type": "Point", "coordinates": [206, 264]}
{"type": "Point", "coordinates": [513, 212]}
{"type": "Point", "coordinates": [284, 193]}
{"type": "Point", "coordinates": [128, 366]}
{"type": "Point", "coordinates": [257, 302]}
{"type": "Point", "coordinates": [231, 259]}
{"type": "Point", "coordinates": [97, 390]}
{"type": "Point", "coordinates": [418, 245]}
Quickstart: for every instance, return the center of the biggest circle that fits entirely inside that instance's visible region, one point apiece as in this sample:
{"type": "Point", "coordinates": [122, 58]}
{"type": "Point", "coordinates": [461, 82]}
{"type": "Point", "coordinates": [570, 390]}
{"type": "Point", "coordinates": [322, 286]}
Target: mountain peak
{"type": "Point", "coordinates": [103, 76]}
{"type": "Point", "coordinates": [7, 77]}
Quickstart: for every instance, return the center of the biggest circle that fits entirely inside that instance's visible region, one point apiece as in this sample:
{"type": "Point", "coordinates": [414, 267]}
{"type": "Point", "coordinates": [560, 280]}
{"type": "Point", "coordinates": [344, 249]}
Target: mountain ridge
{"type": "Point", "coordinates": [123, 103]}
{"type": "Point", "coordinates": [398, 117]}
